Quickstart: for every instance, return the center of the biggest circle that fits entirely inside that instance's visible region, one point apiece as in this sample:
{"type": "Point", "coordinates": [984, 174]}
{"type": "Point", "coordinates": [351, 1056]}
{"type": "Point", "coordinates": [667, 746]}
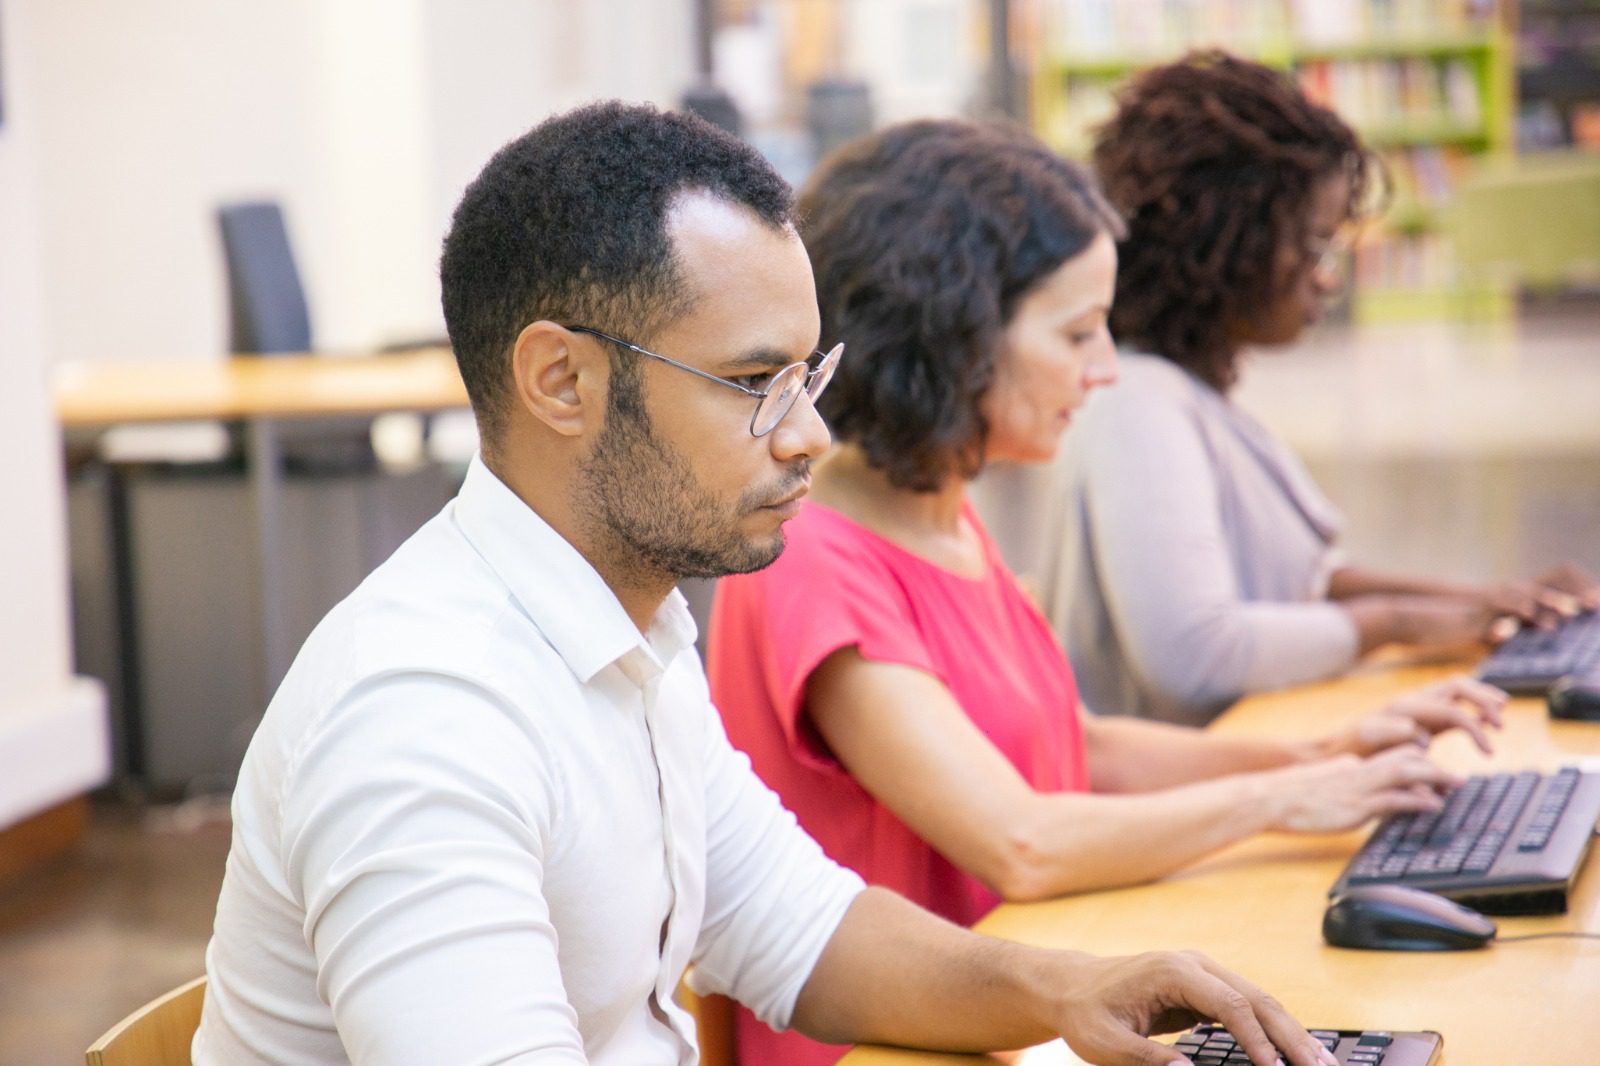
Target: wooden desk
{"type": "Point", "coordinates": [91, 395]}
{"type": "Point", "coordinates": [1257, 908]}
{"type": "Point", "coordinates": [260, 391]}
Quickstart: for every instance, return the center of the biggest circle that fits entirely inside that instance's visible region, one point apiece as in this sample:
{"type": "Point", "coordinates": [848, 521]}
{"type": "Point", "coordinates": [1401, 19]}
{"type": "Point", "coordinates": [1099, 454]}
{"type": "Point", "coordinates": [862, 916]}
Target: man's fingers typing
{"type": "Point", "coordinates": [1270, 1027]}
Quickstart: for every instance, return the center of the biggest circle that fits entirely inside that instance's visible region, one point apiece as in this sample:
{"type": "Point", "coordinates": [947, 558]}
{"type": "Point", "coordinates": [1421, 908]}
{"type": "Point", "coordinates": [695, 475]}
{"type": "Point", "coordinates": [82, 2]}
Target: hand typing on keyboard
{"type": "Point", "coordinates": [1417, 717]}
{"type": "Point", "coordinates": [1213, 1045]}
{"type": "Point", "coordinates": [1331, 795]}
{"type": "Point", "coordinates": [1115, 1000]}
{"type": "Point", "coordinates": [1545, 601]}
{"type": "Point", "coordinates": [1442, 614]}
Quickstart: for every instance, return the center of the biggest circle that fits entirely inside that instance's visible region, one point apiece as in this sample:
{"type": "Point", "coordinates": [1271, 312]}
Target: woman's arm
{"type": "Point", "coordinates": [1137, 755]}
{"type": "Point", "coordinates": [1395, 608]}
{"type": "Point", "coordinates": [1134, 755]}
{"type": "Point", "coordinates": [902, 735]}
{"type": "Point", "coordinates": [1348, 582]}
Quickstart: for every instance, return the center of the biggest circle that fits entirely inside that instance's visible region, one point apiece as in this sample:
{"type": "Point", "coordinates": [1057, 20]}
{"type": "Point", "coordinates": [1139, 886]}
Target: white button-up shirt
{"type": "Point", "coordinates": [485, 820]}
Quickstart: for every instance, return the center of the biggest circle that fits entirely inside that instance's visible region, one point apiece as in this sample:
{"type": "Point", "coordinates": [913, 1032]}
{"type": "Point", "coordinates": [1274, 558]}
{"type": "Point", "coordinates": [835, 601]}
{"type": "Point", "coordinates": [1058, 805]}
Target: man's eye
{"type": "Point", "coordinates": [758, 382]}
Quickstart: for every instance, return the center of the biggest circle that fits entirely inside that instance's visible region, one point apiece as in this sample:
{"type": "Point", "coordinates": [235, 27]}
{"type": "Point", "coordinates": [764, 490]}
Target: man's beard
{"type": "Point", "coordinates": [641, 500]}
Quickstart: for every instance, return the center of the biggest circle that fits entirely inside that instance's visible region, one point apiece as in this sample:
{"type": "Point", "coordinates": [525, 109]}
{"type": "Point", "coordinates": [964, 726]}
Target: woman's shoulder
{"type": "Point", "coordinates": [1151, 395]}
{"type": "Point", "coordinates": [1146, 378]}
{"type": "Point", "coordinates": [823, 540]}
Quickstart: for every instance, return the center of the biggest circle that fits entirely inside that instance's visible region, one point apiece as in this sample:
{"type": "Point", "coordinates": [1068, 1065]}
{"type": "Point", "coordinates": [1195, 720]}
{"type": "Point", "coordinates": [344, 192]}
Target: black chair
{"type": "Point", "coordinates": [266, 303]}
{"type": "Point", "coordinates": [267, 314]}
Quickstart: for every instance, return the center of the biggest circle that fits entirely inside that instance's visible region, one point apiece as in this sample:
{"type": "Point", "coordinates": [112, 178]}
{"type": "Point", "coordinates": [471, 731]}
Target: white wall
{"type": "Point", "coordinates": [364, 117]}
{"type": "Point", "coordinates": [125, 126]}
{"type": "Point", "coordinates": [53, 738]}
{"type": "Point", "coordinates": [495, 68]}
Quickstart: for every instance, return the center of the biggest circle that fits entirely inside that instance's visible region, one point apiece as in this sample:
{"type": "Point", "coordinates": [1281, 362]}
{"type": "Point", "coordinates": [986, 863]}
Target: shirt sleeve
{"type": "Point", "coordinates": [1166, 570]}
{"type": "Point", "coordinates": [773, 898]}
{"type": "Point", "coordinates": [415, 825]}
{"type": "Point", "coordinates": [827, 591]}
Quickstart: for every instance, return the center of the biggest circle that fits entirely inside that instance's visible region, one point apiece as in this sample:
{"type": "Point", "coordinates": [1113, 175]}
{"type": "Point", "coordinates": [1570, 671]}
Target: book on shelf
{"type": "Point", "coordinates": [1418, 93]}
{"type": "Point", "coordinates": [1420, 80]}
{"type": "Point", "coordinates": [1091, 28]}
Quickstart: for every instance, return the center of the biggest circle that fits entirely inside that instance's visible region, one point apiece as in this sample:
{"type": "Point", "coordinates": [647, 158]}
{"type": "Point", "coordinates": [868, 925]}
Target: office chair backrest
{"type": "Point", "coordinates": [266, 303]}
{"type": "Point", "coordinates": [157, 1034]}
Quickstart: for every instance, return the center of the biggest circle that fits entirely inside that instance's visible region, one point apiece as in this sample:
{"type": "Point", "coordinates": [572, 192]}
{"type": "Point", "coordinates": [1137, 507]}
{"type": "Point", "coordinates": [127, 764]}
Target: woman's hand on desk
{"type": "Point", "coordinates": [1547, 600]}
{"type": "Point", "coordinates": [1339, 793]}
{"type": "Point", "coordinates": [1389, 609]}
{"type": "Point", "coordinates": [1459, 702]}
{"type": "Point", "coordinates": [1575, 582]}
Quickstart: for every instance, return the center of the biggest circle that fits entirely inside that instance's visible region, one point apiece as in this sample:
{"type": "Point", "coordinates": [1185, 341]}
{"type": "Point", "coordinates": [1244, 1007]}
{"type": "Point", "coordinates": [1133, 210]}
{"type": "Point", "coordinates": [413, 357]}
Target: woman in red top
{"type": "Point", "coordinates": [887, 675]}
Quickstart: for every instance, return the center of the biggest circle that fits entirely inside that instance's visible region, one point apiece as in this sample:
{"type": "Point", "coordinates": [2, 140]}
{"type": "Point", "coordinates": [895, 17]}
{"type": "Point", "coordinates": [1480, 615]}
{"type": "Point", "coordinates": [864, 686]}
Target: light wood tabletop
{"type": "Point", "coordinates": [255, 386]}
{"type": "Point", "coordinates": [261, 391]}
{"type": "Point", "coordinates": [1257, 908]}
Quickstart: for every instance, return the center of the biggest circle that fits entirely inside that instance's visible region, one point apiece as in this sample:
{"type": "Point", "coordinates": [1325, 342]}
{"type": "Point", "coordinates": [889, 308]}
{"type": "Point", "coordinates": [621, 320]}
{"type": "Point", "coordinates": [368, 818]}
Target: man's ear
{"type": "Point", "coordinates": [559, 379]}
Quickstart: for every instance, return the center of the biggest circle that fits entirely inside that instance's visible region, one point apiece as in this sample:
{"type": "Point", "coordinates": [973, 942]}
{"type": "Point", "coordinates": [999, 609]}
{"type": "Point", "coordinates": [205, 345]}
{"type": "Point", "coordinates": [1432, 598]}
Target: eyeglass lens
{"type": "Point", "coordinates": [785, 390]}
{"type": "Point", "coordinates": [781, 395]}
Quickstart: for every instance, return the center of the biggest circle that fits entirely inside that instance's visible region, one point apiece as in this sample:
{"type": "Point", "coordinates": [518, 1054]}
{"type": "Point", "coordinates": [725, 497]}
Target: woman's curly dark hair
{"type": "Point", "coordinates": [1213, 161]}
{"type": "Point", "coordinates": [923, 238]}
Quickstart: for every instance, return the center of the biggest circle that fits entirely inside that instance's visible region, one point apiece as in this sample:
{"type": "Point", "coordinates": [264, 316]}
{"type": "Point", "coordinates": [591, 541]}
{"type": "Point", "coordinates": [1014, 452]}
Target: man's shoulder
{"type": "Point", "coordinates": [434, 607]}
{"type": "Point", "coordinates": [431, 643]}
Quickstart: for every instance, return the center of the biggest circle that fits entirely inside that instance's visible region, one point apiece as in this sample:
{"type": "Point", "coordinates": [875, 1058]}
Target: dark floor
{"type": "Point", "coordinates": [114, 924]}
{"type": "Point", "coordinates": [127, 916]}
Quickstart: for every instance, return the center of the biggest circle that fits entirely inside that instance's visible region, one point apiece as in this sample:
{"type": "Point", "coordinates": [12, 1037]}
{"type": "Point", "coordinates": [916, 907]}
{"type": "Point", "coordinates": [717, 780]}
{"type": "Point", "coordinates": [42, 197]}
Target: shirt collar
{"type": "Point", "coordinates": [565, 597]}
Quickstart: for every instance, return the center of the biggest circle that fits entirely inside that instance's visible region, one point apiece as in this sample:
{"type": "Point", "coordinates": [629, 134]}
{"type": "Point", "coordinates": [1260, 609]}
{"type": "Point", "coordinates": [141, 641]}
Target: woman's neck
{"type": "Point", "coordinates": [928, 524]}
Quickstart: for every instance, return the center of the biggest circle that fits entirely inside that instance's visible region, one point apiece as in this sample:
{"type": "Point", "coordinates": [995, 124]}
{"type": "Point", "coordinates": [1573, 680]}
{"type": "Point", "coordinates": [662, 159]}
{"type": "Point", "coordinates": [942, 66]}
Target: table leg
{"type": "Point", "coordinates": [266, 484]}
{"type": "Point", "coordinates": [125, 596]}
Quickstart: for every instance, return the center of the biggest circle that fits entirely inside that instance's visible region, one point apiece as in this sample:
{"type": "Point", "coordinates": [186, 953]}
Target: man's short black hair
{"type": "Point", "coordinates": [568, 223]}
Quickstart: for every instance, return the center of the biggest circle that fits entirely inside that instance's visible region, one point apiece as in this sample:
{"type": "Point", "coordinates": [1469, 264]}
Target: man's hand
{"type": "Point", "coordinates": [894, 974]}
{"type": "Point", "coordinates": [1459, 702]}
{"type": "Point", "coordinates": [1108, 1006]}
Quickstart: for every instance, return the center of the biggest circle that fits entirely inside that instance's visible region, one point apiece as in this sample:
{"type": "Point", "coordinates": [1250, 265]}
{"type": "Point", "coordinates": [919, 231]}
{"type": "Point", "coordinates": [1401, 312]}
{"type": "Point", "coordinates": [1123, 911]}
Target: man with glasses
{"type": "Point", "coordinates": [491, 815]}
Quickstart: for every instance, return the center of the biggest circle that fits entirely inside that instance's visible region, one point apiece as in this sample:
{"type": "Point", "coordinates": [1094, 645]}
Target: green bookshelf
{"type": "Point", "coordinates": [1435, 97]}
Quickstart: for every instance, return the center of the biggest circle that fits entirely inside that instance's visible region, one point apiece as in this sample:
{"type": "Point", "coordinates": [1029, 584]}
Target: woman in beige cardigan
{"type": "Point", "coordinates": [1189, 559]}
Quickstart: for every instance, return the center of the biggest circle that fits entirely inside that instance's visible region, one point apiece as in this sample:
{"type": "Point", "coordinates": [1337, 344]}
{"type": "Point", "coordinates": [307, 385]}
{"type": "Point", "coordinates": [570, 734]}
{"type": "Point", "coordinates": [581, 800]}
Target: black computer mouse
{"type": "Point", "coordinates": [1397, 918]}
{"type": "Point", "coordinates": [1575, 698]}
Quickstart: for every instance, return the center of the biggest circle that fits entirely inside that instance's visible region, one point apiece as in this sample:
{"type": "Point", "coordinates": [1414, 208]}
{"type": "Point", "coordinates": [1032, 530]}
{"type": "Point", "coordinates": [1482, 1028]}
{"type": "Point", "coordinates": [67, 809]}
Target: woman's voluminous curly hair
{"type": "Point", "coordinates": [1213, 162]}
{"type": "Point", "coordinates": [923, 238]}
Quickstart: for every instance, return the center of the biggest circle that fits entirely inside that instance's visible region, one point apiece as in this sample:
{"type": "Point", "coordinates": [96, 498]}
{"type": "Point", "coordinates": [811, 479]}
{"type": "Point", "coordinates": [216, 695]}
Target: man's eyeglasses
{"type": "Point", "coordinates": [773, 402]}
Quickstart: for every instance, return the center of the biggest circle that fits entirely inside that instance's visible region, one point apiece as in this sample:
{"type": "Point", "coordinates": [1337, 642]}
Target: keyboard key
{"type": "Point", "coordinates": [1533, 658]}
{"type": "Point", "coordinates": [1394, 866]}
{"type": "Point", "coordinates": [1487, 817]}
{"type": "Point", "coordinates": [1455, 812]}
{"type": "Point", "coordinates": [1376, 1038]}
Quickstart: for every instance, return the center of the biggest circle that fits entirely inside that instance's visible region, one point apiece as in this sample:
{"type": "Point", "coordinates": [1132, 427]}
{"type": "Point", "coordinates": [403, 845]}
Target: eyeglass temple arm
{"type": "Point", "coordinates": [696, 371]}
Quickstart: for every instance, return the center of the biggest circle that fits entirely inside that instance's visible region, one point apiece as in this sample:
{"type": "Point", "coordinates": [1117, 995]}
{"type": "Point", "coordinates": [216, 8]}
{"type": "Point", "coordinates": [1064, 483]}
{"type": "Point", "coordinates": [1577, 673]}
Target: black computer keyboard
{"type": "Point", "coordinates": [1534, 659]}
{"type": "Point", "coordinates": [1504, 844]}
{"type": "Point", "coordinates": [1212, 1045]}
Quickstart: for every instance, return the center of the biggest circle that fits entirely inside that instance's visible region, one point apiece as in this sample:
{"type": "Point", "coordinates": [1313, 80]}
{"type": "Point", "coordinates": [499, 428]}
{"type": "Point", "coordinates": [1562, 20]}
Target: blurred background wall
{"type": "Point", "coordinates": [52, 729]}
{"type": "Point", "coordinates": [364, 117]}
